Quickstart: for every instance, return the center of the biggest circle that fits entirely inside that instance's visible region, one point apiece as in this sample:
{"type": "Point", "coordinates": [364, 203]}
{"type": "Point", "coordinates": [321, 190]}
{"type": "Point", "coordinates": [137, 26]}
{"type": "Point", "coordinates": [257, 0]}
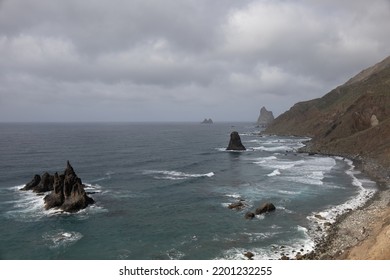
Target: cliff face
{"type": "Point", "coordinates": [351, 120]}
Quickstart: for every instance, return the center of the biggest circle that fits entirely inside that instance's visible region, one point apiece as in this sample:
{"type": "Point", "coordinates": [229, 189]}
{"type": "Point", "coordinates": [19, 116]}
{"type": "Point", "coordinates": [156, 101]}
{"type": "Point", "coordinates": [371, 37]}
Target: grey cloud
{"type": "Point", "coordinates": [181, 57]}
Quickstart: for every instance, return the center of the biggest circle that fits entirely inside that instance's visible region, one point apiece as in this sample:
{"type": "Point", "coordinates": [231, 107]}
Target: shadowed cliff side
{"type": "Point", "coordinates": [353, 120]}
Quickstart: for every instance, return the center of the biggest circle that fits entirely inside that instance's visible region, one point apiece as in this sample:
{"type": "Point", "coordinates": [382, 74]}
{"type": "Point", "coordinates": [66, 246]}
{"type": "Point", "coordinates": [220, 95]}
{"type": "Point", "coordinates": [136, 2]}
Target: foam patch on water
{"type": "Point", "coordinates": [364, 192]}
{"type": "Point", "coordinates": [176, 175]}
{"type": "Point", "coordinates": [274, 173]}
{"type": "Point", "coordinates": [310, 171]}
{"type": "Point", "coordinates": [303, 244]}
{"type": "Point", "coordinates": [174, 254]}
{"type": "Point", "coordinates": [61, 238]}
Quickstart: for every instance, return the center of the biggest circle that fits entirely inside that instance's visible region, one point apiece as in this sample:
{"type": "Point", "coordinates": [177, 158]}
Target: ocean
{"type": "Point", "coordinates": [162, 191]}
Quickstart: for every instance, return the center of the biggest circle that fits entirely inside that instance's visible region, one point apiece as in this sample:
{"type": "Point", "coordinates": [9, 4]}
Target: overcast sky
{"type": "Point", "coordinates": [180, 60]}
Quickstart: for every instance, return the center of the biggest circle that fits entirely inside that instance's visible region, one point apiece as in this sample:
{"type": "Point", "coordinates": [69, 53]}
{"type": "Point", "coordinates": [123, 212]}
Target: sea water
{"type": "Point", "coordinates": [162, 191]}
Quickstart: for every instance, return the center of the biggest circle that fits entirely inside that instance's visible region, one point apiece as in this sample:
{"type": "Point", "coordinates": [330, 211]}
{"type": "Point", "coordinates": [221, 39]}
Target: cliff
{"type": "Point", "coordinates": [352, 120]}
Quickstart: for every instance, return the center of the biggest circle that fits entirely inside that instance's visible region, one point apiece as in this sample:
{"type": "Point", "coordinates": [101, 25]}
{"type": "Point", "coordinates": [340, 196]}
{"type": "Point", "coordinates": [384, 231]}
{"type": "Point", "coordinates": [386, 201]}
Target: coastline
{"type": "Point", "coordinates": [363, 233]}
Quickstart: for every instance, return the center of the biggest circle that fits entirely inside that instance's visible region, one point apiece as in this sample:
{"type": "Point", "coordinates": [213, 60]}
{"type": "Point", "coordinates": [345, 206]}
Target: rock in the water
{"type": "Point", "coordinates": [40, 184]}
{"type": "Point", "coordinates": [56, 198]}
{"type": "Point", "coordinates": [266, 117]}
{"type": "Point", "coordinates": [249, 215]}
{"type": "Point", "coordinates": [235, 142]}
{"type": "Point", "coordinates": [33, 183]}
{"type": "Point", "coordinates": [207, 121]}
{"type": "Point", "coordinates": [67, 191]}
{"type": "Point", "coordinates": [265, 208]}
{"type": "Point", "coordinates": [249, 255]}
{"type": "Point", "coordinates": [237, 205]}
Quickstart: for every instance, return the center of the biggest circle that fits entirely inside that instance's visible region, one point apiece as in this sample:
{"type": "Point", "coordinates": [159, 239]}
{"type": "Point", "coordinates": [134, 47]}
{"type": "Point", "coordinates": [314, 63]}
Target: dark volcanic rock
{"type": "Point", "coordinates": [56, 197]}
{"type": "Point", "coordinates": [40, 184]}
{"type": "Point", "coordinates": [237, 205]}
{"type": "Point", "coordinates": [235, 142]}
{"type": "Point", "coordinates": [249, 215]}
{"type": "Point", "coordinates": [32, 184]}
{"type": "Point", "coordinates": [67, 191]}
{"type": "Point", "coordinates": [249, 255]}
{"type": "Point", "coordinates": [265, 208]}
{"type": "Point", "coordinates": [68, 194]}
{"type": "Point", "coordinates": [45, 185]}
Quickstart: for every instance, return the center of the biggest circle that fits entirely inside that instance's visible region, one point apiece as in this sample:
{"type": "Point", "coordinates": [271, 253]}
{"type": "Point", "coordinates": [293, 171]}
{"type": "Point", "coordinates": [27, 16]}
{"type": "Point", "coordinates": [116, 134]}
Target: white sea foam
{"type": "Point", "coordinates": [309, 171]}
{"type": "Point", "coordinates": [274, 173]}
{"type": "Point", "coordinates": [61, 238]}
{"type": "Point", "coordinates": [234, 195]}
{"type": "Point", "coordinates": [28, 206]}
{"type": "Point", "coordinates": [174, 254]}
{"type": "Point", "coordinates": [289, 192]}
{"type": "Point", "coordinates": [176, 175]}
{"type": "Point", "coordinates": [365, 191]}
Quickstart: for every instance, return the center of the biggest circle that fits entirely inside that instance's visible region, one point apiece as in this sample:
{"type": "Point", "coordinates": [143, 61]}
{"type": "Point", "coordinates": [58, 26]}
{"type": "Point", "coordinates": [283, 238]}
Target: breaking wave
{"type": "Point", "coordinates": [176, 175]}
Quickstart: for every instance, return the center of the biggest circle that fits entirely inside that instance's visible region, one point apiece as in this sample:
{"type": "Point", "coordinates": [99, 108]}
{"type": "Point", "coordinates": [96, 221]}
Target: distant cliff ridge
{"type": "Point", "coordinates": [265, 118]}
{"type": "Point", "coordinates": [351, 120]}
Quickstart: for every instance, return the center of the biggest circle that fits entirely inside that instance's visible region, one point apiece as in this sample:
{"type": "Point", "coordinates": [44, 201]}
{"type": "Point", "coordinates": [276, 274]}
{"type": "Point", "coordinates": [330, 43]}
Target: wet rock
{"type": "Point", "coordinates": [249, 255]}
{"type": "Point", "coordinates": [265, 208]}
{"type": "Point", "coordinates": [32, 184]}
{"type": "Point", "coordinates": [237, 205]}
{"type": "Point", "coordinates": [67, 191]}
{"type": "Point", "coordinates": [249, 215]}
{"type": "Point", "coordinates": [235, 142]}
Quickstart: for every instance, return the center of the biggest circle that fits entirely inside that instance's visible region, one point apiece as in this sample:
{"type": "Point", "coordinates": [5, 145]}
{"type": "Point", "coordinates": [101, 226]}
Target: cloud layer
{"type": "Point", "coordinates": [179, 60]}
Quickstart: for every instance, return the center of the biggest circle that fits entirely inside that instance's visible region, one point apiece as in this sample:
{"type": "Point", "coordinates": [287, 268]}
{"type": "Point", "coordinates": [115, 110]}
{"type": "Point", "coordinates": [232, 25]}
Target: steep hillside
{"type": "Point", "coordinates": [352, 120]}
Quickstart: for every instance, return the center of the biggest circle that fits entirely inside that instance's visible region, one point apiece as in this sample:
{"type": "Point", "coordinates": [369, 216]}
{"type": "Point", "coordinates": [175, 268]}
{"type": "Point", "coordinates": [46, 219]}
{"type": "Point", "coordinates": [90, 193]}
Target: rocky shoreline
{"type": "Point", "coordinates": [363, 233]}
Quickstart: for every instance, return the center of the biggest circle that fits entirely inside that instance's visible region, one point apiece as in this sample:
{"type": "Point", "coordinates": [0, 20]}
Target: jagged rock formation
{"type": "Point", "coordinates": [265, 118]}
{"type": "Point", "coordinates": [235, 142]}
{"type": "Point", "coordinates": [207, 121]}
{"type": "Point", "coordinates": [353, 120]}
{"type": "Point", "coordinates": [67, 190]}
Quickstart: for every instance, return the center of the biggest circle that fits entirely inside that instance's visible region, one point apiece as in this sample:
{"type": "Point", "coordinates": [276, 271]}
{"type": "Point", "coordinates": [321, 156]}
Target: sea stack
{"type": "Point", "coordinates": [265, 118]}
{"type": "Point", "coordinates": [67, 190]}
{"type": "Point", "coordinates": [235, 142]}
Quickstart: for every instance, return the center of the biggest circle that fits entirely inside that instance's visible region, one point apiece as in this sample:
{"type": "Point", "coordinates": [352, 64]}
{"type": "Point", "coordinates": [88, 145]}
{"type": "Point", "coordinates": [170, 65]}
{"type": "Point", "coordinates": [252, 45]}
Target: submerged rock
{"type": "Point", "coordinates": [235, 142]}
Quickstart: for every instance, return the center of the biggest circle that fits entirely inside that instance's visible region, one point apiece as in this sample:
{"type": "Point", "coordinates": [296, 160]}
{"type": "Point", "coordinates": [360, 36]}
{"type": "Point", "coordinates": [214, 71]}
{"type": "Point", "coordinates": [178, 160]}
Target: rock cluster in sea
{"type": "Point", "coordinates": [67, 192]}
{"type": "Point", "coordinates": [207, 121]}
{"type": "Point", "coordinates": [235, 142]}
{"type": "Point", "coordinates": [263, 209]}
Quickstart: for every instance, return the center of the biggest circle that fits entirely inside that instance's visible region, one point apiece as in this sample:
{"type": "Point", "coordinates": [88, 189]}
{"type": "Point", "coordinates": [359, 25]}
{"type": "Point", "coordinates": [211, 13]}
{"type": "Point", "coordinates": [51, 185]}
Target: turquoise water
{"type": "Point", "coordinates": [162, 192]}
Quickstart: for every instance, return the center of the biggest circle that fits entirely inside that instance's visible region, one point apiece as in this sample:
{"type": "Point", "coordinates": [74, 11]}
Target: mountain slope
{"type": "Point", "coordinates": [352, 120]}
